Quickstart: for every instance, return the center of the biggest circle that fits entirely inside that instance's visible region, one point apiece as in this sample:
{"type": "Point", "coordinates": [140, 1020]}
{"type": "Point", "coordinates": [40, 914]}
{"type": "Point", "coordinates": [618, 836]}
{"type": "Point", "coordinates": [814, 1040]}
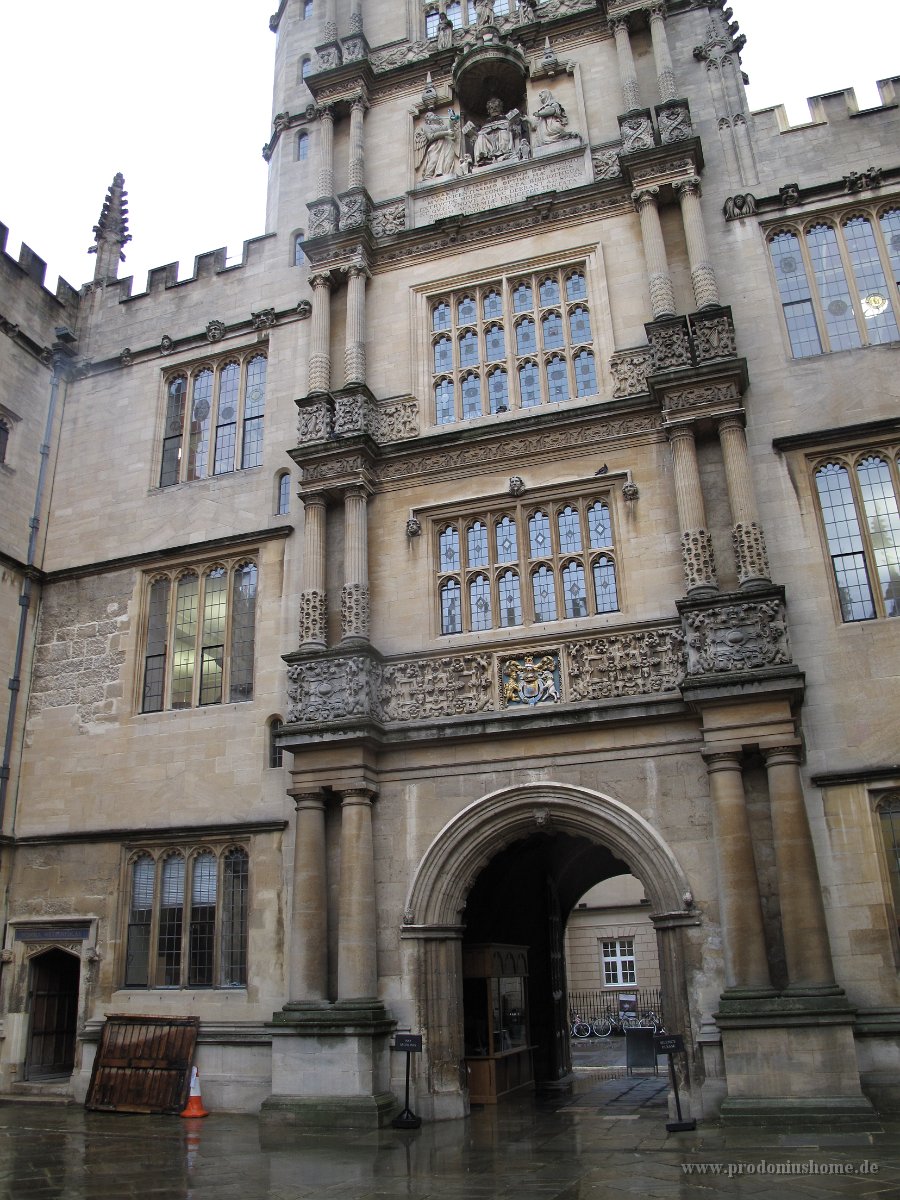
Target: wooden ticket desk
{"type": "Point", "coordinates": [495, 999]}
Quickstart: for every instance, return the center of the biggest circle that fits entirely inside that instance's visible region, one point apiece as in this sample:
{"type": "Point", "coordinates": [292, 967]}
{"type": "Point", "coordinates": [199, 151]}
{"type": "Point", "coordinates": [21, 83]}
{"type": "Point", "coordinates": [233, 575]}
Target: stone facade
{"type": "Point", "coordinates": [547, 600]}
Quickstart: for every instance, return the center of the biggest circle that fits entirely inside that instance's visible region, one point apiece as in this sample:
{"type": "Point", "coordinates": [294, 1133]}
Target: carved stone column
{"type": "Point", "coordinates": [665, 75]}
{"type": "Point", "coordinates": [313, 618]}
{"type": "Point", "coordinates": [320, 334]}
{"type": "Point", "coordinates": [355, 347]}
{"type": "Point", "coordinates": [309, 910]}
{"type": "Point", "coordinates": [326, 152]}
{"type": "Point", "coordinates": [703, 277]}
{"type": "Point", "coordinates": [631, 93]}
{"type": "Point", "coordinates": [662, 295]}
{"type": "Point", "coordinates": [357, 964]}
{"type": "Point", "coordinates": [806, 945]}
{"type": "Point", "coordinates": [740, 908]}
{"type": "Point", "coordinates": [355, 592]}
{"type": "Point", "coordinates": [747, 534]}
{"type": "Point", "coordinates": [356, 171]}
{"type": "Point", "coordinates": [331, 29]}
{"type": "Point", "coordinates": [696, 543]}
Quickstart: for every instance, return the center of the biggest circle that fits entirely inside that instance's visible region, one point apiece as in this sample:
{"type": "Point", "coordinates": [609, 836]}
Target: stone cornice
{"type": "Point", "coordinates": [816, 439]}
{"type": "Point", "coordinates": [168, 553]}
{"type": "Point", "coordinates": [152, 835]}
{"type": "Point", "coordinates": [886, 774]}
{"type": "Point", "coordinates": [792, 201]}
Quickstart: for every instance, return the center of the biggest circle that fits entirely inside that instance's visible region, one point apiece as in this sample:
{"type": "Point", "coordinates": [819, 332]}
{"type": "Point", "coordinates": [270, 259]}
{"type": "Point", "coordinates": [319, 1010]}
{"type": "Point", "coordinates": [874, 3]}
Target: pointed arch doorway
{"type": "Point", "coordinates": [53, 981]}
{"type": "Point", "coordinates": [508, 869]}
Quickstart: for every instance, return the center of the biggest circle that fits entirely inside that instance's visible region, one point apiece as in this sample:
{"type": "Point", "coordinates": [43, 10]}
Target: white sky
{"type": "Point", "coordinates": [177, 96]}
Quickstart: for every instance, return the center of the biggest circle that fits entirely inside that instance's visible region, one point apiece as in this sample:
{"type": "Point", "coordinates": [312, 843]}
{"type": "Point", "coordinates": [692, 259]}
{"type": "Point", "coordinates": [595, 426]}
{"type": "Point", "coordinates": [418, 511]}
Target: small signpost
{"type": "Point", "coordinates": [412, 1044]}
{"type": "Point", "coordinates": [672, 1044]}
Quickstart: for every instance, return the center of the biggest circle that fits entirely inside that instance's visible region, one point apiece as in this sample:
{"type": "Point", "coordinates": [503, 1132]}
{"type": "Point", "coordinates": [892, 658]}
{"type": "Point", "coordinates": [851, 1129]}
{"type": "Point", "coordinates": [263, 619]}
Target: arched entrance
{"type": "Point", "coordinates": [53, 994]}
{"type": "Point", "coordinates": [509, 868]}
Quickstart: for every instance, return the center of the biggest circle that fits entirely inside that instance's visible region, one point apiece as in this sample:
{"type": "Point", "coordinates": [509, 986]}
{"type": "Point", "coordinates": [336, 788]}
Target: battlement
{"type": "Point", "coordinates": [208, 265]}
{"type": "Point", "coordinates": [829, 108]}
{"type": "Point", "coordinates": [32, 268]}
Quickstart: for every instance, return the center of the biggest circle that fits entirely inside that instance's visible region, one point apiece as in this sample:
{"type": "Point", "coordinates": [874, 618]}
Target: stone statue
{"type": "Point", "coordinates": [499, 137]}
{"type": "Point", "coordinates": [437, 146]}
{"type": "Point", "coordinates": [444, 32]}
{"type": "Point", "coordinates": [527, 12]}
{"type": "Point", "coordinates": [550, 120]}
{"type": "Point", "coordinates": [484, 13]}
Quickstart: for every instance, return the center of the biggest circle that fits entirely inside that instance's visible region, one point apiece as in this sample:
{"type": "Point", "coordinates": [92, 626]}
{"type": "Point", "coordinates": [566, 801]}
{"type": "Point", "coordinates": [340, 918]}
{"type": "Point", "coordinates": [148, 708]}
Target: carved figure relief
{"type": "Point", "coordinates": [444, 32]}
{"type": "Point", "coordinates": [484, 13]}
{"type": "Point", "coordinates": [550, 120]}
{"type": "Point", "coordinates": [438, 146]}
{"type": "Point", "coordinates": [736, 637]}
{"type": "Point", "coordinates": [741, 205]}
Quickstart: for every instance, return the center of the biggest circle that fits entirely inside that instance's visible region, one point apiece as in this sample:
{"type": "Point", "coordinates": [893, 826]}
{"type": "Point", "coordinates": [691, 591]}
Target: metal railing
{"type": "Point", "coordinates": [593, 1004]}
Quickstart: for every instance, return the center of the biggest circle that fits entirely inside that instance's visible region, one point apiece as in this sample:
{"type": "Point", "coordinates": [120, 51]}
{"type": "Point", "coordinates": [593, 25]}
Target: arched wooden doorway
{"type": "Point", "coordinates": [553, 819]}
{"type": "Point", "coordinates": [53, 983]}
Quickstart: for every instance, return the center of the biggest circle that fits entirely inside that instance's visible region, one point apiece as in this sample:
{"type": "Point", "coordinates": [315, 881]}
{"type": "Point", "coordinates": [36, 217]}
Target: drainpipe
{"type": "Point", "coordinates": [63, 352]}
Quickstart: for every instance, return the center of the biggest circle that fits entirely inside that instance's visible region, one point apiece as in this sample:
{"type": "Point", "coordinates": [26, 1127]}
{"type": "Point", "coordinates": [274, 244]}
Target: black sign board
{"type": "Point", "coordinates": [669, 1043]}
{"type": "Point", "coordinates": [410, 1042]}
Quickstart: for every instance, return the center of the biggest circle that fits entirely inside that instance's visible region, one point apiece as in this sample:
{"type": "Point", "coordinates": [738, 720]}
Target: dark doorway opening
{"type": "Point", "coordinates": [53, 991]}
{"type": "Point", "coordinates": [523, 897]}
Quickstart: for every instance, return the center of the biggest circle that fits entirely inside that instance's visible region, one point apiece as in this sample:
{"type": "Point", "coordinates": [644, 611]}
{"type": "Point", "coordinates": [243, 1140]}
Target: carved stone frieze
{"type": "Point", "coordinates": [637, 132]}
{"type": "Point", "coordinates": [629, 369]}
{"type": "Point", "coordinates": [674, 122]}
{"type": "Point", "coordinates": [335, 468]}
{"type": "Point", "coordinates": [395, 422]}
{"type": "Point", "coordinates": [530, 679]}
{"type": "Point", "coordinates": [437, 687]}
{"type": "Point", "coordinates": [314, 423]}
{"type": "Point", "coordinates": [389, 219]}
{"type": "Point", "coordinates": [327, 689]}
{"type": "Point", "coordinates": [670, 169]}
{"type": "Point", "coordinates": [323, 217]}
{"type": "Point", "coordinates": [671, 345]}
{"type": "Point", "coordinates": [355, 48]}
{"type": "Point", "coordinates": [698, 560]}
{"type": "Point", "coordinates": [736, 637]}
{"type": "Point", "coordinates": [713, 337]}
{"type": "Point", "coordinates": [702, 395]}
{"type": "Point", "coordinates": [352, 414]}
{"type": "Point", "coordinates": [606, 164]}
{"type": "Point", "coordinates": [626, 664]}
{"type": "Point", "coordinates": [496, 188]}
{"type": "Point", "coordinates": [354, 610]}
{"type": "Point", "coordinates": [750, 552]}
{"type": "Point", "coordinates": [313, 618]}
{"type": "Point", "coordinates": [353, 212]}
{"type": "Point", "coordinates": [328, 57]}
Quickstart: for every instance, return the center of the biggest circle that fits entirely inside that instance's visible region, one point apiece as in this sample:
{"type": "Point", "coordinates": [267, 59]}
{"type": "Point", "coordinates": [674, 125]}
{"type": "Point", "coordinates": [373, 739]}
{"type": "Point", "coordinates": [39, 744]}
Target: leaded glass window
{"type": "Point", "coordinates": [544, 591]}
{"type": "Point", "coordinates": [480, 602]}
{"type": "Point", "coordinates": [478, 544]}
{"type": "Point", "coordinates": [510, 599]}
{"type": "Point", "coordinates": [498, 391]}
{"type": "Point", "coordinates": [451, 609]}
{"type": "Point", "coordinates": [507, 547]}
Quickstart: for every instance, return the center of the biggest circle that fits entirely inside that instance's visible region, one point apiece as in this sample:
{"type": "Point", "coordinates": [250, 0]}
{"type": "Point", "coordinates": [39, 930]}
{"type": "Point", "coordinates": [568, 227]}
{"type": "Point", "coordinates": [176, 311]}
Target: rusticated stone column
{"type": "Point", "coordinates": [743, 937]}
{"type": "Point", "coordinates": [326, 150]}
{"type": "Point", "coordinates": [746, 533]}
{"type": "Point", "coordinates": [309, 910]}
{"type": "Point", "coordinates": [356, 169]}
{"type": "Point", "coordinates": [631, 93]}
{"type": "Point", "coordinates": [662, 295]}
{"type": "Point", "coordinates": [696, 543]}
{"type": "Point", "coordinates": [805, 932]}
{"type": "Point", "coordinates": [320, 334]}
{"type": "Point", "coordinates": [313, 619]}
{"type": "Point", "coordinates": [665, 75]}
{"type": "Point", "coordinates": [357, 964]}
{"type": "Point", "coordinates": [703, 277]}
{"type": "Point", "coordinates": [355, 592]}
{"type": "Point", "coordinates": [355, 347]}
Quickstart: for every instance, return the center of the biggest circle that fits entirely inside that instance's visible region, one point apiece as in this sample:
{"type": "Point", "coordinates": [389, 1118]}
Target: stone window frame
{"type": "Point", "coordinates": [274, 752]}
{"type": "Point", "coordinates": [8, 421]}
{"type": "Point", "coordinates": [160, 689]}
{"type": "Point", "coordinates": [457, 371]}
{"type": "Point", "coordinates": [175, 465]}
{"type": "Point", "coordinates": [884, 801]}
{"type": "Point", "coordinates": [486, 580]}
{"type": "Point", "coordinates": [196, 968]}
{"type": "Point", "coordinates": [282, 504]}
{"type": "Point", "coordinates": [849, 459]}
{"type": "Point", "coordinates": [825, 327]}
{"type": "Point", "coordinates": [462, 10]}
{"type": "Point", "coordinates": [617, 960]}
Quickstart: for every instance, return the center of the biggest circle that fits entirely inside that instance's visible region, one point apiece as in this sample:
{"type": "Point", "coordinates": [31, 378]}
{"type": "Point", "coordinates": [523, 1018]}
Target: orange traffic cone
{"type": "Point", "coordinates": [195, 1101]}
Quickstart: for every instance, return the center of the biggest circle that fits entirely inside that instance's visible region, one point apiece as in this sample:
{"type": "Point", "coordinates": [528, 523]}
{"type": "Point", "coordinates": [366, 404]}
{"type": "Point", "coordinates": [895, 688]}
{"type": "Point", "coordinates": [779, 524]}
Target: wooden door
{"type": "Point", "coordinates": [55, 977]}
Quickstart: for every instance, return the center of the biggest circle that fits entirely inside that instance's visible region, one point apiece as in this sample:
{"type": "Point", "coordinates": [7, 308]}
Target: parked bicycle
{"type": "Point", "coordinates": [620, 1022]}
{"type": "Point", "coordinates": [580, 1027]}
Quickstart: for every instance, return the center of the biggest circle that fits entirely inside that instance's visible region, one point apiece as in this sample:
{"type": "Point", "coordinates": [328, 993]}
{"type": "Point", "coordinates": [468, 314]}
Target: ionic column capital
{"type": "Point", "coordinates": [689, 186]}
{"type": "Point", "coordinates": [359, 103]}
{"type": "Point", "coordinates": [325, 113]}
{"type": "Point", "coordinates": [731, 421]}
{"type": "Point", "coordinates": [320, 281]}
{"type": "Point", "coordinates": [645, 196]}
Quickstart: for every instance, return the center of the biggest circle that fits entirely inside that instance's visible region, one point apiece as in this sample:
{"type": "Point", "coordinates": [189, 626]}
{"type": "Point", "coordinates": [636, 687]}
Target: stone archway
{"type": "Point", "coordinates": [435, 907]}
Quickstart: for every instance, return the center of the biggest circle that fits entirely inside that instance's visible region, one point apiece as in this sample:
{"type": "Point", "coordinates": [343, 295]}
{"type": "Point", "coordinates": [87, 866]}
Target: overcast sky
{"type": "Point", "coordinates": [177, 96]}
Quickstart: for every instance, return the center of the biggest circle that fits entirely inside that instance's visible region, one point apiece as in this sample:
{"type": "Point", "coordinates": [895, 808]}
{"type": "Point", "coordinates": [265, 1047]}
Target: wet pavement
{"type": "Point", "coordinates": [606, 1137]}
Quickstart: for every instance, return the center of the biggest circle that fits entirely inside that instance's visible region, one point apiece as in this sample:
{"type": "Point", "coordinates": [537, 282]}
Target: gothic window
{"type": "Point", "coordinates": [482, 561]}
{"type": "Point", "coordinates": [199, 639]}
{"type": "Point", "coordinates": [838, 280]}
{"type": "Point", "coordinates": [217, 413]}
{"type": "Point", "coordinates": [548, 353]}
{"type": "Point", "coordinates": [299, 255]}
{"type": "Point", "coordinates": [858, 502]}
{"type": "Point", "coordinates": [187, 918]}
{"type": "Point", "coordinates": [302, 146]}
{"type": "Point", "coordinates": [431, 22]}
{"type": "Point", "coordinates": [461, 14]}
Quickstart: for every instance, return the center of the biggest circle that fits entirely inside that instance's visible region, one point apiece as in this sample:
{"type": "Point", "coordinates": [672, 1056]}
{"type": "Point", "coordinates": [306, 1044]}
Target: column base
{"type": "Point", "coordinates": [330, 1112]}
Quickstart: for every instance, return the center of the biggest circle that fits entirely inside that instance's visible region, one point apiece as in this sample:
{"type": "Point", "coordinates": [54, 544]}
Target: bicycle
{"type": "Point", "coordinates": [604, 1026]}
{"type": "Point", "coordinates": [580, 1028]}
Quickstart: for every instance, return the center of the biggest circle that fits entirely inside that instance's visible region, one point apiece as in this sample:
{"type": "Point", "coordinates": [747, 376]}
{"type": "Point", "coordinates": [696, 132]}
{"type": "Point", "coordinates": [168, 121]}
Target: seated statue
{"type": "Point", "coordinates": [550, 120]}
{"type": "Point", "coordinates": [500, 138]}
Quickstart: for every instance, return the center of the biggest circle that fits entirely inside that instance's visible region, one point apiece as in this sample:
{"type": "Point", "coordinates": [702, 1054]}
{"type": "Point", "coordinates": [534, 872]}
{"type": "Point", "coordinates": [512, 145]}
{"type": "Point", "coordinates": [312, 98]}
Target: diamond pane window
{"type": "Point", "coordinates": [510, 595]}
{"type": "Point", "coordinates": [498, 391]}
{"type": "Point", "coordinates": [569, 530]}
{"type": "Point", "coordinates": [507, 545]}
{"type": "Point", "coordinates": [605, 592]}
{"type": "Point", "coordinates": [478, 545]}
{"type": "Point", "coordinates": [448, 545]}
{"type": "Point", "coordinates": [599, 525]}
{"type": "Point", "coordinates": [451, 609]}
{"type": "Point", "coordinates": [480, 602]}
{"type": "Point", "coordinates": [574, 590]}
{"type": "Point", "coordinates": [539, 535]}
{"type": "Point", "coordinates": [544, 593]}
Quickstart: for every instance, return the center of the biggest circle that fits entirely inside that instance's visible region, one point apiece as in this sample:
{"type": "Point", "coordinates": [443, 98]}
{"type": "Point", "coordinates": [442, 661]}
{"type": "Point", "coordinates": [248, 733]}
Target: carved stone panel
{"type": "Point", "coordinates": [629, 369]}
{"type": "Point", "coordinates": [626, 664]}
{"type": "Point", "coordinates": [327, 689]}
{"type": "Point", "coordinates": [736, 637]}
{"type": "Point", "coordinates": [437, 687]}
{"type": "Point", "coordinates": [492, 190]}
{"type": "Point", "coordinates": [352, 414]}
{"type": "Point", "coordinates": [314, 422]}
{"type": "Point", "coordinates": [530, 679]}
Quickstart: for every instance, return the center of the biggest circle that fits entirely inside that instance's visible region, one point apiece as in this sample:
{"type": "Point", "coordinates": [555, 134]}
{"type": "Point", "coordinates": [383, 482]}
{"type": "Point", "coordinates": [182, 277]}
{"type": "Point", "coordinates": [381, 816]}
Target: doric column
{"type": "Point", "coordinates": [320, 334]}
{"type": "Point", "coordinates": [355, 346]}
{"type": "Point", "coordinates": [313, 619]}
{"type": "Point", "coordinates": [355, 592]}
{"type": "Point", "coordinates": [662, 295]}
{"type": "Point", "coordinates": [696, 543]}
{"type": "Point", "coordinates": [326, 150]}
{"type": "Point", "coordinates": [357, 964]}
{"type": "Point", "coordinates": [703, 278]}
{"type": "Point", "coordinates": [309, 910]}
{"type": "Point", "coordinates": [743, 937]}
{"type": "Point", "coordinates": [331, 29]}
{"type": "Point", "coordinates": [806, 947]}
{"type": "Point", "coordinates": [631, 95]}
{"type": "Point", "coordinates": [356, 172]}
{"type": "Point", "coordinates": [665, 75]}
{"type": "Point", "coordinates": [746, 533]}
